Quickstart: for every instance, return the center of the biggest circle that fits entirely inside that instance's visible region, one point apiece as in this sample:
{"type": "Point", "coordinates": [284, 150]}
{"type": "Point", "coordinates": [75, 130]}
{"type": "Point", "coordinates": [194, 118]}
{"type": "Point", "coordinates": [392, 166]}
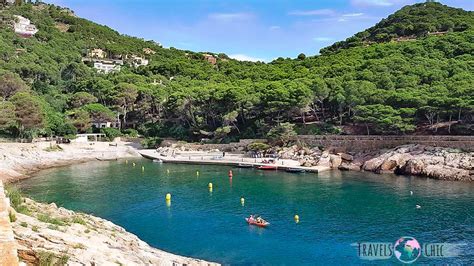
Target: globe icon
{"type": "Point", "coordinates": [407, 249]}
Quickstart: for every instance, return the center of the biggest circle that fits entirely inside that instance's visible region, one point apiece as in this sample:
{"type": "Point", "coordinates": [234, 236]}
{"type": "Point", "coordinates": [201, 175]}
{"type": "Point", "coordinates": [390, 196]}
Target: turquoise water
{"type": "Point", "coordinates": [336, 209]}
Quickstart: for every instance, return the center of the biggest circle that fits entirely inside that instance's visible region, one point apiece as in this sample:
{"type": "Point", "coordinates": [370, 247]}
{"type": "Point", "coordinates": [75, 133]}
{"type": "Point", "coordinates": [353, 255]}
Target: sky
{"type": "Point", "coordinates": [243, 29]}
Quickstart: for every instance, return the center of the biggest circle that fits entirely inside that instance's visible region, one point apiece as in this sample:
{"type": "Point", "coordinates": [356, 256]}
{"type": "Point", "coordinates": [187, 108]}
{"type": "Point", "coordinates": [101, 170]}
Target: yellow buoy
{"type": "Point", "coordinates": [242, 201]}
{"type": "Point", "coordinates": [210, 189]}
{"type": "Point", "coordinates": [168, 203]}
{"type": "Point", "coordinates": [297, 218]}
{"type": "Point", "coordinates": [168, 197]}
{"type": "Point", "coordinates": [210, 185]}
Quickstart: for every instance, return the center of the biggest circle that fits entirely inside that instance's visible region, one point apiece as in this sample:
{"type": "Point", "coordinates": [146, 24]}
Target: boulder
{"type": "Point", "coordinates": [413, 167]}
{"type": "Point", "coordinates": [448, 173]}
{"type": "Point", "coordinates": [335, 160]}
{"type": "Point", "coordinates": [346, 157]}
{"type": "Point", "coordinates": [349, 166]}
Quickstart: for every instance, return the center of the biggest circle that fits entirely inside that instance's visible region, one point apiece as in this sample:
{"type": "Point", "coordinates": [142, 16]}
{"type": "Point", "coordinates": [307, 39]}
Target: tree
{"type": "Point", "coordinates": [125, 96]}
{"type": "Point", "coordinates": [282, 133]}
{"type": "Point", "coordinates": [81, 120]}
{"type": "Point", "coordinates": [82, 98]}
{"type": "Point", "coordinates": [7, 116]}
{"type": "Point", "coordinates": [10, 84]}
{"type": "Point", "coordinates": [301, 56]}
{"type": "Point", "coordinates": [28, 113]}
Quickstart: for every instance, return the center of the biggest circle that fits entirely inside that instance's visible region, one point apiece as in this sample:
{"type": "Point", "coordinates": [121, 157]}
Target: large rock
{"type": "Point", "coordinates": [413, 167]}
{"type": "Point", "coordinates": [448, 173]}
{"type": "Point", "coordinates": [346, 157]}
{"type": "Point", "coordinates": [349, 166]}
{"type": "Point", "coordinates": [335, 161]}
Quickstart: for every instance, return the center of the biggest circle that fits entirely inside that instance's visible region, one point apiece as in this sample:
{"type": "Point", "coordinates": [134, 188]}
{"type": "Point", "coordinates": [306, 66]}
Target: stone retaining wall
{"type": "Point", "coordinates": [8, 251]}
{"type": "Point", "coordinates": [357, 143]}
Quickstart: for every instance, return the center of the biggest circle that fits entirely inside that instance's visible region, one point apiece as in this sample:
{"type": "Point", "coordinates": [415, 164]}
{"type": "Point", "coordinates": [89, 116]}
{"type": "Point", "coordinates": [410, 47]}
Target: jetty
{"type": "Point", "coordinates": [229, 159]}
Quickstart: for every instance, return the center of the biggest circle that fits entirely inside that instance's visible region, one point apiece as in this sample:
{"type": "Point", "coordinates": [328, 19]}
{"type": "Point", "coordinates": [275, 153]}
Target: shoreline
{"type": "Point", "coordinates": [89, 240]}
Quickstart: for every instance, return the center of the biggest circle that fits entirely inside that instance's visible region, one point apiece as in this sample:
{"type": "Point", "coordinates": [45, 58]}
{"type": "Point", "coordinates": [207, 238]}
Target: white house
{"type": "Point", "coordinates": [139, 61]}
{"type": "Point", "coordinates": [24, 27]}
{"type": "Point", "coordinates": [107, 66]}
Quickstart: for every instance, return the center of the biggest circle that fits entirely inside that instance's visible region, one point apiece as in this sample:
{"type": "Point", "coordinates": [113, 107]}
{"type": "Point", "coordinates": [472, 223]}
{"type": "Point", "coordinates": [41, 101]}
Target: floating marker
{"type": "Point", "coordinates": [230, 173]}
{"type": "Point", "coordinates": [210, 185]}
{"type": "Point", "coordinates": [411, 192]}
{"type": "Point", "coordinates": [168, 171]}
{"type": "Point", "coordinates": [197, 173]}
{"type": "Point", "coordinates": [418, 206]}
{"type": "Point", "coordinates": [168, 203]}
{"type": "Point", "coordinates": [143, 168]}
{"type": "Point", "coordinates": [134, 164]}
{"type": "Point", "coordinates": [242, 201]}
{"type": "Point", "coordinates": [297, 218]}
{"type": "Point", "coordinates": [168, 197]}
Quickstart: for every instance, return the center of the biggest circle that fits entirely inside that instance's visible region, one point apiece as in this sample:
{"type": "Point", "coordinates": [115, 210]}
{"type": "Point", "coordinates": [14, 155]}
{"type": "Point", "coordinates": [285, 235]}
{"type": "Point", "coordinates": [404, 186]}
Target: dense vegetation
{"type": "Point", "coordinates": [382, 88]}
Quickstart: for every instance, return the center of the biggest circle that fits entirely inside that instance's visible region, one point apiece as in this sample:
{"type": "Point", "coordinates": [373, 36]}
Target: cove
{"type": "Point", "coordinates": [337, 210]}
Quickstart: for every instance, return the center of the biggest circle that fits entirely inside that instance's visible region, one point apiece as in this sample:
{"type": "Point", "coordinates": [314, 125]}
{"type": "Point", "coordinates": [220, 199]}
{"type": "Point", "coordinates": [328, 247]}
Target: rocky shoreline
{"type": "Point", "coordinates": [427, 161]}
{"type": "Point", "coordinates": [48, 234]}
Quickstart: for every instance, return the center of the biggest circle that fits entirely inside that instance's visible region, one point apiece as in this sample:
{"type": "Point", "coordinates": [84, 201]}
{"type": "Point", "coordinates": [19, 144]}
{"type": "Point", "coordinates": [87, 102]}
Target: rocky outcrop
{"type": "Point", "coordinates": [61, 236]}
{"type": "Point", "coordinates": [433, 162]}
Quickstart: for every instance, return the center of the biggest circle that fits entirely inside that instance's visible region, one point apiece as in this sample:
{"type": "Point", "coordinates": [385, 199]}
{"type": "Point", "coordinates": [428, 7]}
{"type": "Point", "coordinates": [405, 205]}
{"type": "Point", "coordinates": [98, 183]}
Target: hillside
{"type": "Point", "coordinates": [411, 22]}
{"type": "Point", "coordinates": [49, 84]}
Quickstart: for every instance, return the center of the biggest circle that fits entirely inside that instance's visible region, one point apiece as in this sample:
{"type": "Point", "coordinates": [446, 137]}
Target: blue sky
{"type": "Point", "coordinates": [243, 29]}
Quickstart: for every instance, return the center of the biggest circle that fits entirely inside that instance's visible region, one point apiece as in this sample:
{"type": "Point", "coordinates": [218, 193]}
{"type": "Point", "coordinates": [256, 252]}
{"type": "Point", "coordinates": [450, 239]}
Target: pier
{"type": "Point", "coordinates": [229, 159]}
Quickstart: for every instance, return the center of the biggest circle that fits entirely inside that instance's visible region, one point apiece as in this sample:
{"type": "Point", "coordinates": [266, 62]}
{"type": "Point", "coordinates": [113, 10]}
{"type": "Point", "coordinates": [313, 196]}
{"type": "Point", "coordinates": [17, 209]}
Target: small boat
{"type": "Point", "coordinates": [262, 223]}
{"type": "Point", "coordinates": [295, 170]}
{"type": "Point", "coordinates": [267, 167]}
{"type": "Point", "coordinates": [245, 165]}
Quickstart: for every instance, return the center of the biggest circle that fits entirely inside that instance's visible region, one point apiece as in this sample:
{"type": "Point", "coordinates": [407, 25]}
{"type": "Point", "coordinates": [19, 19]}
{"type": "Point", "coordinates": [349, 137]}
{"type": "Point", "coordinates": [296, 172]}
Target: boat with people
{"type": "Point", "coordinates": [295, 170]}
{"type": "Point", "coordinates": [257, 220]}
{"type": "Point", "coordinates": [267, 167]}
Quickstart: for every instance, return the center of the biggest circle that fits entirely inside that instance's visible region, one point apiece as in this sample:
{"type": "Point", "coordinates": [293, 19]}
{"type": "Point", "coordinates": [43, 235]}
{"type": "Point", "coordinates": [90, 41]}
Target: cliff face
{"type": "Point", "coordinates": [48, 233]}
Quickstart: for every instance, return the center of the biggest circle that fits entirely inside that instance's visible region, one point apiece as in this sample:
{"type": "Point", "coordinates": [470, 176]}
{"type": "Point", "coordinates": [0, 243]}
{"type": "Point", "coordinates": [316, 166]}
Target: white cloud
{"type": "Point", "coordinates": [242, 57]}
{"type": "Point", "coordinates": [316, 12]}
{"type": "Point", "coordinates": [322, 39]}
{"type": "Point", "coordinates": [353, 15]}
{"type": "Point", "coordinates": [230, 16]}
{"type": "Point", "coordinates": [372, 2]}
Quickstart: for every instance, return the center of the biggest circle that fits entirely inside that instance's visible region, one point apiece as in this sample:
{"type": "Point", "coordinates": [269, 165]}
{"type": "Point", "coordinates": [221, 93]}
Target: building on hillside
{"type": "Point", "coordinates": [108, 66]}
{"type": "Point", "coordinates": [138, 61]}
{"type": "Point", "coordinates": [148, 51]}
{"type": "Point", "coordinates": [23, 27]}
{"type": "Point", "coordinates": [210, 58]}
{"type": "Point", "coordinates": [104, 66]}
{"type": "Point", "coordinates": [106, 123]}
{"type": "Point", "coordinates": [97, 53]}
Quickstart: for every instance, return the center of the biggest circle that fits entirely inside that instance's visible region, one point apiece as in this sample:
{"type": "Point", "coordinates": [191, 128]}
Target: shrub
{"type": "Point", "coordinates": [12, 216]}
{"type": "Point", "coordinates": [258, 146]}
{"type": "Point", "coordinates": [130, 132]}
{"type": "Point", "coordinates": [78, 220]}
{"type": "Point", "coordinates": [151, 143]}
{"type": "Point", "coordinates": [35, 228]}
{"type": "Point", "coordinates": [111, 133]}
{"type": "Point", "coordinates": [15, 196]}
{"type": "Point", "coordinates": [24, 224]}
{"type": "Point", "coordinates": [48, 219]}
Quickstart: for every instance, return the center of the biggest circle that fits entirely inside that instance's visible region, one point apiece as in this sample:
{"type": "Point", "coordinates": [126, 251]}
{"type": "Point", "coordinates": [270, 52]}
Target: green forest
{"type": "Point", "coordinates": [412, 73]}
